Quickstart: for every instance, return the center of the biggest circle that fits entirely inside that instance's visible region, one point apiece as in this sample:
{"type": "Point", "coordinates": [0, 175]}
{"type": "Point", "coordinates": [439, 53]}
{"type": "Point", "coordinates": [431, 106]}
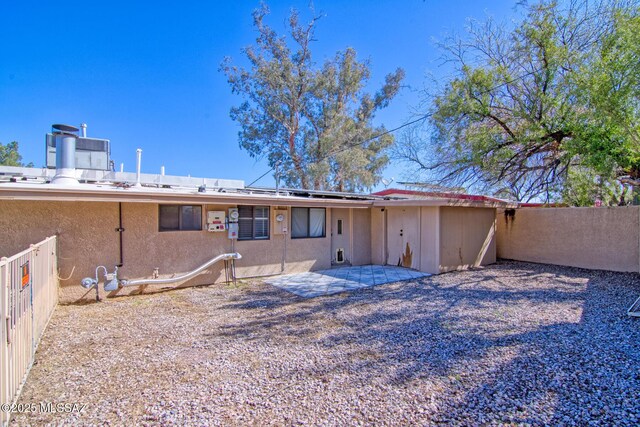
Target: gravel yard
{"type": "Point", "coordinates": [512, 343]}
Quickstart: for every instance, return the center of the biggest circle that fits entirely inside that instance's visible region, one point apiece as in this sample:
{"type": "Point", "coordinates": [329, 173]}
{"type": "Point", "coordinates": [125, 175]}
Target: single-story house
{"type": "Point", "coordinates": [162, 226]}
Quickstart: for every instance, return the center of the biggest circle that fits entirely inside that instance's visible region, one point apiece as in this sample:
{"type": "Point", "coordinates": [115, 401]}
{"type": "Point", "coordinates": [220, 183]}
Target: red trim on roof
{"type": "Point", "coordinates": [543, 205]}
{"type": "Point", "coordinates": [437, 194]}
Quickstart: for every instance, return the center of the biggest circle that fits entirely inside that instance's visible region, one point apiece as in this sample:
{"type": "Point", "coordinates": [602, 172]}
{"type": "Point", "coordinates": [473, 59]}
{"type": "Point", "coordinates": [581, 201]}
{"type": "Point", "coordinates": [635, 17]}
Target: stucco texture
{"type": "Point", "coordinates": [403, 236]}
{"type": "Point", "coordinates": [595, 238]}
{"type": "Point", "coordinates": [440, 239]}
{"type": "Point", "coordinates": [361, 237]}
{"type": "Point", "coordinates": [265, 257]}
{"type": "Point", "coordinates": [344, 240]}
{"type": "Point", "coordinates": [87, 237]}
{"type": "Point", "coordinates": [430, 239]}
{"type": "Point", "coordinates": [85, 230]}
{"type": "Point", "coordinates": [378, 236]}
{"type": "Point", "coordinates": [467, 237]}
{"type": "Point", "coordinates": [448, 237]}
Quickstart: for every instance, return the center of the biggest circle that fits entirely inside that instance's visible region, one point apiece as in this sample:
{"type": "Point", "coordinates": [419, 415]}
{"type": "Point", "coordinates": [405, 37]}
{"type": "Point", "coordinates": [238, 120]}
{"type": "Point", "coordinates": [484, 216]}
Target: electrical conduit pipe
{"type": "Point", "coordinates": [186, 276]}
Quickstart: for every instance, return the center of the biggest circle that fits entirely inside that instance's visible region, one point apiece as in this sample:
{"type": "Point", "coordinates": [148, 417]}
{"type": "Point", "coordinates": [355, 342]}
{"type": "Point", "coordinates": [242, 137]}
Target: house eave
{"type": "Point", "coordinates": [48, 192]}
{"type": "Point", "coordinates": [444, 202]}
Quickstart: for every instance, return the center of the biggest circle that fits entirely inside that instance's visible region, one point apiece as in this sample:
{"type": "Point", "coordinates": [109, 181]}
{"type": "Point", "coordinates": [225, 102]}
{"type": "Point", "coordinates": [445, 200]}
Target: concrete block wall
{"type": "Point", "coordinates": [596, 238]}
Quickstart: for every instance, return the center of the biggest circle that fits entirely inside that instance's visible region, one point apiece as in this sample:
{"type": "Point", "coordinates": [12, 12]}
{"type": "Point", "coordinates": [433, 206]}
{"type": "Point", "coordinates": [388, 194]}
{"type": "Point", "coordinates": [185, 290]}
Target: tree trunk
{"type": "Point", "coordinates": [297, 164]}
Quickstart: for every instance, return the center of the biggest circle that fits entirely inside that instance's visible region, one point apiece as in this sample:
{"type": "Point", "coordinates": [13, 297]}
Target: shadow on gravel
{"type": "Point", "coordinates": [513, 343]}
{"type": "Point", "coordinates": [570, 373]}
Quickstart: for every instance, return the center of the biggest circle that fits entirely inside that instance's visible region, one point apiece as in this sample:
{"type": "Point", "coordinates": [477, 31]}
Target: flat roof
{"type": "Point", "coordinates": [33, 184]}
{"type": "Point", "coordinates": [110, 193]}
{"type": "Point", "coordinates": [443, 202]}
{"type": "Point", "coordinates": [400, 197]}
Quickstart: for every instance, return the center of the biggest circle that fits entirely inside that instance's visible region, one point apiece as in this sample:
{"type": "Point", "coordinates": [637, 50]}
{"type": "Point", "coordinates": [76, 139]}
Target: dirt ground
{"type": "Point", "coordinates": [513, 343]}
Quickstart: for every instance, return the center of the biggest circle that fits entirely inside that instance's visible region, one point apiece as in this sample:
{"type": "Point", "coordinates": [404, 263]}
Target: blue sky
{"type": "Point", "coordinates": [145, 75]}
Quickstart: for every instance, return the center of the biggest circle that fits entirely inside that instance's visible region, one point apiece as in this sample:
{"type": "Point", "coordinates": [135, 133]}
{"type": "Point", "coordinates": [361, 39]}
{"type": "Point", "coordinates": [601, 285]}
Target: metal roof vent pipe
{"type": "Point", "coordinates": [65, 139]}
{"type": "Point", "coordinates": [138, 165]}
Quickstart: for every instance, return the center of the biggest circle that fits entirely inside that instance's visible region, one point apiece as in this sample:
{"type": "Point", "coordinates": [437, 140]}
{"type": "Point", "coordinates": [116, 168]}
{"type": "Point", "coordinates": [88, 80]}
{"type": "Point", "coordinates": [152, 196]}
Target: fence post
{"type": "Point", "coordinates": [33, 255]}
{"type": "Point", "coordinates": [4, 336]}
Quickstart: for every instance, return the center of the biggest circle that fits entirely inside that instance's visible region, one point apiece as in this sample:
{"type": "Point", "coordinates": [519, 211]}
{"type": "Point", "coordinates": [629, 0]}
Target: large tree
{"type": "Point", "coordinates": [10, 155]}
{"type": "Point", "coordinates": [514, 118]}
{"type": "Point", "coordinates": [313, 121]}
{"type": "Point", "coordinates": [609, 88]}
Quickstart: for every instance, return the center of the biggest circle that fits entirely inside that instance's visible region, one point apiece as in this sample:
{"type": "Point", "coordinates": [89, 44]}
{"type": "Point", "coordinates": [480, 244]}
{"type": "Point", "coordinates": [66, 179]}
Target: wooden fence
{"type": "Point", "coordinates": [28, 297]}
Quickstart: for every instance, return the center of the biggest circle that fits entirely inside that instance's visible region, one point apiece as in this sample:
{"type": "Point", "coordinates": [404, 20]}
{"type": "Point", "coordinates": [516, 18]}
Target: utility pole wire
{"type": "Point", "coordinates": [421, 118]}
{"type": "Point", "coordinates": [260, 177]}
{"type": "Point", "coordinates": [353, 145]}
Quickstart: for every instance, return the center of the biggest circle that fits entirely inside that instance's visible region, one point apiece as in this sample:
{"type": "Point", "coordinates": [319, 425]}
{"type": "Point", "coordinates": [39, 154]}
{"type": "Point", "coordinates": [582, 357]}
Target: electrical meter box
{"type": "Point", "coordinates": [216, 221]}
{"type": "Point", "coordinates": [234, 215]}
{"type": "Point", "coordinates": [280, 222]}
{"type": "Point", "coordinates": [232, 225]}
{"type": "Point", "coordinates": [233, 230]}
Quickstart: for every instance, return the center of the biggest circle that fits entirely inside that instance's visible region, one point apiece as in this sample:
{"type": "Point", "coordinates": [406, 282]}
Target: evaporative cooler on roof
{"type": "Point", "coordinates": [91, 153]}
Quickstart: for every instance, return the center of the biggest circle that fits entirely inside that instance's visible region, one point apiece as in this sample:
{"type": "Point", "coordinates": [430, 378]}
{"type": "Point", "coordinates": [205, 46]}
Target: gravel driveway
{"type": "Point", "coordinates": [513, 343]}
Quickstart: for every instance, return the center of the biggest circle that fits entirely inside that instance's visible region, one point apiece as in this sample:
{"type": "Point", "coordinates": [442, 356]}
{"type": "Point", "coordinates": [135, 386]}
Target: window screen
{"type": "Point", "coordinates": [299, 222]}
{"type": "Point", "coordinates": [253, 222]}
{"type": "Point", "coordinates": [169, 218]}
{"type": "Point", "coordinates": [190, 217]}
{"type": "Point", "coordinates": [180, 217]}
{"type": "Point", "coordinates": [307, 222]}
{"type": "Point", "coordinates": [245, 222]}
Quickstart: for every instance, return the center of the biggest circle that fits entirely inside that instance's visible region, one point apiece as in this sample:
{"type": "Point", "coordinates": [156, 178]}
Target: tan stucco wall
{"type": "Point", "coordinates": [172, 252]}
{"type": "Point", "coordinates": [344, 240]}
{"type": "Point", "coordinates": [596, 238]}
{"type": "Point", "coordinates": [87, 238]}
{"type": "Point", "coordinates": [467, 237]}
{"type": "Point", "coordinates": [430, 239]}
{"type": "Point", "coordinates": [181, 251]}
{"type": "Point", "coordinates": [378, 249]}
{"type": "Point", "coordinates": [361, 254]}
{"type": "Point", "coordinates": [403, 236]}
{"type": "Point", "coordinates": [264, 257]}
{"type": "Point", "coordinates": [448, 238]}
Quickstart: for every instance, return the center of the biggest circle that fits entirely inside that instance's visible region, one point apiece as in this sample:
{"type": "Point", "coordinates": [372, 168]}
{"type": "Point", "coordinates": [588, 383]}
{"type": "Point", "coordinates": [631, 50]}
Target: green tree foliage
{"type": "Point", "coordinates": [583, 187]}
{"type": "Point", "coordinates": [519, 115]}
{"type": "Point", "coordinates": [609, 88]}
{"type": "Point", "coordinates": [10, 156]}
{"type": "Point", "coordinates": [310, 119]}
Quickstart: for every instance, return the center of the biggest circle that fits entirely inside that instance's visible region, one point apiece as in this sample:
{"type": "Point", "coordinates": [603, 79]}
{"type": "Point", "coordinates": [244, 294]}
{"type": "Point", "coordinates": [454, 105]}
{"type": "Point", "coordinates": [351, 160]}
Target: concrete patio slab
{"type": "Point", "coordinates": [341, 279]}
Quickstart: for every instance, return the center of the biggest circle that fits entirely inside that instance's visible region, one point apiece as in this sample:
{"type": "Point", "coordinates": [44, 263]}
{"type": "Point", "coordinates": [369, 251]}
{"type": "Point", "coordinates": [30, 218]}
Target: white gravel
{"type": "Point", "coordinates": [514, 343]}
